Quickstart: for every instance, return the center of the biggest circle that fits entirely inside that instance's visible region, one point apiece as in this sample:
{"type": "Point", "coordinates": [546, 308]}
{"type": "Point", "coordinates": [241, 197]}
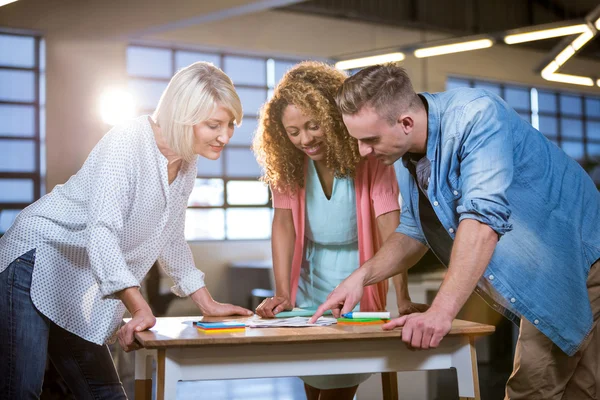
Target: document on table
{"type": "Point", "coordinates": [293, 322]}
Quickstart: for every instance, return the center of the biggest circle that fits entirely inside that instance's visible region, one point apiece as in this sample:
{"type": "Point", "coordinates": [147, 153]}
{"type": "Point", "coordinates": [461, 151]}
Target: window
{"type": "Point", "coordinates": [228, 201]}
{"type": "Point", "coordinates": [22, 95]}
{"type": "Point", "coordinates": [571, 121]}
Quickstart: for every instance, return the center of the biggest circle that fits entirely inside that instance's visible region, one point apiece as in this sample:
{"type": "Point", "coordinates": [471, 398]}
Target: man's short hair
{"type": "Point", "coordinates": [386, 88]}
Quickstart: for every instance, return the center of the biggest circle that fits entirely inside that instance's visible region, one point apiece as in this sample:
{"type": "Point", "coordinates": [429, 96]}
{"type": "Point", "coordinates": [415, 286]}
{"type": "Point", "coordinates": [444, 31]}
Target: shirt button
{"type": "Point", "coordinates": [455, 192]}
{"type": "Point", "coordinates": [435, 203]}
{"type": "Point", "coordinates": [491, 277]}
{"type": "Point", "coordinates": [537, 321]}
{"type": "Point", "coordinates": [513, 300]}
{"type": "Point", "coordinates": [451, 230]}
{"type": "Point", "coordinates": [428, 179]}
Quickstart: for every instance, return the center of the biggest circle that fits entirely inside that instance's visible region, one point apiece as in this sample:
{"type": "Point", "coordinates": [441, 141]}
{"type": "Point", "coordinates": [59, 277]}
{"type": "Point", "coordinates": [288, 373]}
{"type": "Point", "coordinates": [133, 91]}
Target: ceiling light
{"type": "Point", "coordinates": [564, 55]}
{"type": "Point", "coordinates": [372, 60]}
{"type": "Point", "coordinates": [545, 34]}
{"type": "Point", "coordinates": [453, 48]}
{"type": "Point", "coordinates": [116, 106]}
{"type": "Point", "coordinates": [598, 24]}
{"type": "Point", "coordinates": [572, 79]}
{"type": "Point", "coordinates": [5, 2]}
{"type": "Point", "coordinates": [598, 82]}
{"type": "Point", "coordinates": [550, 69]}
{"type": "Point", "coordinates": [582, 39]}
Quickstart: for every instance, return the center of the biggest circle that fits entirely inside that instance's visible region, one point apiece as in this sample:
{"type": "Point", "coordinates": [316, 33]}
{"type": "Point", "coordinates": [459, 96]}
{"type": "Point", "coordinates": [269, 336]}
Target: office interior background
{"type": "Point", "coordinates": [69, 69]}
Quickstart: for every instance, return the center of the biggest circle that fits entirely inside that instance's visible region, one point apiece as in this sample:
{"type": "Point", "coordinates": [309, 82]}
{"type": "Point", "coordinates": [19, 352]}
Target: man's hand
{"type": "Point", "coordinates": [140, 321]}
{"type": "Point", "coordinates": [344, 298]}
{"type": "Point", "coordinates": [422, 330]}
{"type": "Point", "coordinates": [273, 305]}
{"type": "Point", "coordinates": [212, 308]}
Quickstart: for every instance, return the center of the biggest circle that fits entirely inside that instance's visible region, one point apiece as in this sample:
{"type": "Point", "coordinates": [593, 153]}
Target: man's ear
{"type": "Point", "coordinates": [406, 122]}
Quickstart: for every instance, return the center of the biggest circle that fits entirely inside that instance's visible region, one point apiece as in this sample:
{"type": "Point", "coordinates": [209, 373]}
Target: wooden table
{"type": "Point", "coordinates": [183, 353]}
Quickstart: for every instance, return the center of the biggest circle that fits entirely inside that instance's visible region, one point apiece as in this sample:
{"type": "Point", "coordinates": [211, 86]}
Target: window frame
{"type": "Point", "coordinates": [37, 174]}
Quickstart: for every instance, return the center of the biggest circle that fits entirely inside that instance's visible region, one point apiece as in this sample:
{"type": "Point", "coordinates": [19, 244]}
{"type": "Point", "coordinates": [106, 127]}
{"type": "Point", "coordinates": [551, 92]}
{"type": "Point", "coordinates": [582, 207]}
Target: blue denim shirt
{"type": "Point", "coordinates": [490, 165]}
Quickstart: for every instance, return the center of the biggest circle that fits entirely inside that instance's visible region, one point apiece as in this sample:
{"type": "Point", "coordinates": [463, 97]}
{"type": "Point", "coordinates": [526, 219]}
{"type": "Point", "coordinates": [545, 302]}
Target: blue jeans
{"type": "Point", "coordinates": [27, 338]}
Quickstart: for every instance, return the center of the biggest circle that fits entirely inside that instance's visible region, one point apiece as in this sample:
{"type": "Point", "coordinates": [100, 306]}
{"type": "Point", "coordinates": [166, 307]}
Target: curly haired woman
{"type": "Point", "coordinates": [332, 208]}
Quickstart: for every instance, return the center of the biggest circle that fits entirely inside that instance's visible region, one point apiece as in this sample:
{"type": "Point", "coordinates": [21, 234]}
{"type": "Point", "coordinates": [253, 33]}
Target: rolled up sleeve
{"type": "Point", "coordinates": [109, 183]}
{"type": "Point", "coordinates": [178, 262]}
{"type": "Point", "coordinates": [486, 163]}
{"type": "Point", "coordinates": [384, 190]}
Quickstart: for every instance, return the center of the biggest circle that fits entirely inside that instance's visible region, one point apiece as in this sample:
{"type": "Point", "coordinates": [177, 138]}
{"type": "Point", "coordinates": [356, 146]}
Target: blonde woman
{"type": "Point", "coordinates": [332, 208]}
{"type": "Point", "coordinates": [73, 261]}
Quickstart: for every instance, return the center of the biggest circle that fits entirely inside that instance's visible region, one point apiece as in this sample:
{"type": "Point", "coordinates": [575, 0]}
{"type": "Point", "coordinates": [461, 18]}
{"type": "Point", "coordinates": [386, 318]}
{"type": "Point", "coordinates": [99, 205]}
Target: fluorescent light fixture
{"type": "Point", "coordinates": [564, 55]}
{"type": "Point", "coordinates": [598, 82]}
{"type": "Point", "coordinates": [572, 79]}
{"type": "Point", "coordinates": [116, 106]}
{"type": "Point", "coordinates": [545, 34]}
{"type": "Point", "coordinates": [582, 39]}
{"type": "Point", "coordinates": [372, 60]}
{"type": "Point", "coordinates": [5, 2]}
{"type": "Point", "coordinates": [550, 69]}
{"type": "Point", "coordinates": [453, 48]}
{"type": "Point", "coordinates": [598, 24]}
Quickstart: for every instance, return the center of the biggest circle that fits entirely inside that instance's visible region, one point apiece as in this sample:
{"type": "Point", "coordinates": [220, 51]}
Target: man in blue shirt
{"type": "Point", "coordinates": [507, 211]}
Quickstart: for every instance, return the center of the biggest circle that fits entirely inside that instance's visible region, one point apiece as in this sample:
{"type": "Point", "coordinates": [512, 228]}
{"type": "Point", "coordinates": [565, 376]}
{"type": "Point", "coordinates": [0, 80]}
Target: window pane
{"type": "Point", "coordinates": [248, 223]}
{"type": "Point", "coordinates": [252, 100]}
{"type": "Point", "coordinates": [146, 93]}
{"type": "Point", "coordinates": [42, 89]}
{"type": "Point", "coordinates": [247, 192]}
{"type": "Point", "coordinates": [546, 102]}
{"type": "Point", "coordinates": [205, 224]}
{"type": "Point", "coordinates": [573, 149]}
{"type": "Point", "coordinates": [281, 67]}
{"type": "Point", "coordinates": [207, 192]}
{"type": "Point", "coordinates": [208, 167]}
{"type": "Point", "coordinates": [571, 128]}
{"type": "Point", "coordinates": [517, 98]}
{"type": "Point", "coordinates": [17, 51]}
{"type": "Point", "coordinates": [593, 130]}
{"type": "Point", "coordinates": [185, 58]}
{"type": "Point", "coordinates": [592, 107]}
{"type": "Point", "coordinates": [17, 156]}
{"type": "Point", "coordinates": [246, 71]}
{"type": "Point", "coordinates": [42, 55]}
{"type": "Point", "coordinates": [492, 87]}
{"type": "Point", "coordinates": [17, 120]}
{"type": "Point", "coordinates": [7, 217]}
{"type": "Point", "coordinates": [548, 126]}
{"type": "Point", "coordinates": [17, 85]}
{"type": "Point", "coordinates": [150, 62]}
{"type": "Point", "coordinates": [570, 104]}
{"type": "Point", "coordinates": [453, 83]}
{"type": "Point", "coordinates": [243, 134]}
{"type": "Point", "coordinates": [241, 163]}
{"type": "Point", "coordinates": [16, 190]}
{"type": "Point", "coordinates": [593, 150]}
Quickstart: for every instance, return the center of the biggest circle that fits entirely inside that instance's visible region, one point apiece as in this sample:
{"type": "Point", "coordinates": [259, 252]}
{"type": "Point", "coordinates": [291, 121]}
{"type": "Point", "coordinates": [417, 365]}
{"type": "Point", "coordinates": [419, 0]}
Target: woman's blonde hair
{"type": "Point", "coordinates": [191, 97]}
{"type": "Point", "coordinates": [310, 86]}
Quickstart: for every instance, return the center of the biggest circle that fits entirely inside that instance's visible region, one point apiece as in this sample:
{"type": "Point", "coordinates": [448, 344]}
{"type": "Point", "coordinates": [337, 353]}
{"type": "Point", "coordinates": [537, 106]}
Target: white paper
{"type": "Point", "coordinates": [292, 322]}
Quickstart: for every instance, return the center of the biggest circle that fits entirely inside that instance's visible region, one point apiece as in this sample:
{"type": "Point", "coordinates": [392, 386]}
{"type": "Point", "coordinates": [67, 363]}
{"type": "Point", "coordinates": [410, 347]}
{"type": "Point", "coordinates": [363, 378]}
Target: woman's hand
{"type": "Point", "coordinates": [141, 320]}
{"type": "Point", "coordinates": [273, 305]}
{"type": "Point", "coordinates": [212, 308]}
{"type": "Point", "coordinates": [408, 307]}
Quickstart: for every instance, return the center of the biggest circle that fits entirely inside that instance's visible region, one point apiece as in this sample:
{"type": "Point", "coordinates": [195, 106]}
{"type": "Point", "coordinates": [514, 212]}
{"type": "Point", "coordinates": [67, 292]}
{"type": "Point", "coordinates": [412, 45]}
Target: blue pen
{"type": "Point", "coordinates": [382, 315]}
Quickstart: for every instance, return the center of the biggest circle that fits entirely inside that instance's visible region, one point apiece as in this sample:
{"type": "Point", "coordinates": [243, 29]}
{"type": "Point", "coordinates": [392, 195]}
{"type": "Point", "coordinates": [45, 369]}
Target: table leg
{"type": "Point", "coordinates": [168, 373]}
{"type": "Point", "coordinates": [143, 374]}
{"type": "Point", "coordinates": [389, 383]}
{"type": "Point", "coordinates": [466, 371]}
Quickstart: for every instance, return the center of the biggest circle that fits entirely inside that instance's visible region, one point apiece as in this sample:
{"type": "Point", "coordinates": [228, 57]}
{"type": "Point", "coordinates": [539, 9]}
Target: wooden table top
{"type": "Point", "coordinates": [180, 332]}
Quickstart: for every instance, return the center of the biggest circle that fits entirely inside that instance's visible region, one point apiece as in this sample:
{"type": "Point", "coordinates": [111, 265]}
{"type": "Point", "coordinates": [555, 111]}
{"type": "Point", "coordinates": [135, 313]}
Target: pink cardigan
{"type": "Point", "coordinates": [376, 194]}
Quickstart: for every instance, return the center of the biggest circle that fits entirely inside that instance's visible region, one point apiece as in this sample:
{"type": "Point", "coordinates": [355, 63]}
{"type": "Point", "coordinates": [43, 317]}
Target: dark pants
{"type": "Point", "coordinates": [27, 338]}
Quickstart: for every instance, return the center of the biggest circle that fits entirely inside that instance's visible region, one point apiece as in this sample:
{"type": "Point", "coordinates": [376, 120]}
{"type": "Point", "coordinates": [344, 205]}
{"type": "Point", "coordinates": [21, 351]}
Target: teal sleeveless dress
{"type": "Point", "coordinates": [330, 254]}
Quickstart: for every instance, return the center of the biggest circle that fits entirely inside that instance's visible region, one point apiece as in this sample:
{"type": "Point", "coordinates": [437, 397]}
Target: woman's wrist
{"type": "Point", "coordinates": [202, 298]}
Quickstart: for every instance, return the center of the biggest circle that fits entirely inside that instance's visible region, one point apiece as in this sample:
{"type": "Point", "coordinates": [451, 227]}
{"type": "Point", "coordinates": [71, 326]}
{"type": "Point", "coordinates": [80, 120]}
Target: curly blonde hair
{"type": "Point", "coordinates": [312, 87]}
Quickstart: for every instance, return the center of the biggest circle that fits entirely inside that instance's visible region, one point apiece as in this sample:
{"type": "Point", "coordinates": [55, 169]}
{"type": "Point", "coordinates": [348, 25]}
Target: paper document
{"type": "Point", "coordinates": [293, 322]}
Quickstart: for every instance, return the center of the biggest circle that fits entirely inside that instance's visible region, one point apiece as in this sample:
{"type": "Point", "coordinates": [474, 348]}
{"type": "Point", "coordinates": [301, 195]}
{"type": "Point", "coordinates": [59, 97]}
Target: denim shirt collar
{"type": "Point", "coordinates": [433, 126]}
